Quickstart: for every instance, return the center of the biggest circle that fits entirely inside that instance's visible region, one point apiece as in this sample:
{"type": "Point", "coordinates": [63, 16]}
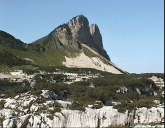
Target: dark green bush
{"type": "Point", "coordinates": [2, 103]}
{"type": "Point", "coordinates": [77, 106]}
{"type": "Point", "coordinates": [9, 59]}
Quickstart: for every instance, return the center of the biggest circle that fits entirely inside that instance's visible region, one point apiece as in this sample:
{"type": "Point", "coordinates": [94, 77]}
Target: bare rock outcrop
{"type": "Point", "coordinates": [72, 34]}
{"type": "Point", "coordinates": [84, 33]}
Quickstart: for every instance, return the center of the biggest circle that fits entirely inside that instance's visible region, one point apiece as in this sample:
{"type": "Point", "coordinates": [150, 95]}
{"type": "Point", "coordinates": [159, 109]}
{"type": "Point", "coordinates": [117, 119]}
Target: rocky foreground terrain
{"type": "Point", "coordinates": [47, 106]}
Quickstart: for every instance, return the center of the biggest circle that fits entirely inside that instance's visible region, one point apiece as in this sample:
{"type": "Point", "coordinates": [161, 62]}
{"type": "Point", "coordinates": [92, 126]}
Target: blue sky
{"type": "Point", "coordinates": [132, 30]}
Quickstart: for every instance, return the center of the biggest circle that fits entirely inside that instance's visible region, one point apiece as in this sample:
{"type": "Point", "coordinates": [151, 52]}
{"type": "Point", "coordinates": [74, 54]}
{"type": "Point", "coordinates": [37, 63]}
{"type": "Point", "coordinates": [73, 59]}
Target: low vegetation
{"type": "Point", "coordinates": [2, 103]}
{"type": "Point", "coordinates": [13, 88]}
{"type": "Point", "coordinates": [10, 59]}
{"type": "Point", "coordinates": [77, 106]}
{"type": "Point", "coordinates": [82, 94]}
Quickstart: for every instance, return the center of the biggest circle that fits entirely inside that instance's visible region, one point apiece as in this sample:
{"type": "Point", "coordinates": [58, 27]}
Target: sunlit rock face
{"type": "Point", "coordinates": [39, 109]}
{"type": "Point", "coordinates": [63, 34]}
{"type": "Point", "coordinates": [79, 27]}
{"type": "Point", "coordinates": [74, 33]}
{"type": "Point", "coordinates": [25, 111]}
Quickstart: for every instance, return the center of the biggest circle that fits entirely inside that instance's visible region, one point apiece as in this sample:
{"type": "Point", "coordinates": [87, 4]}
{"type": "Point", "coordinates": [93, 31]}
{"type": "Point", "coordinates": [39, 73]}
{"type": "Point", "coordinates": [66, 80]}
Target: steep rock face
{"type": "Point", "coordinates": [74, 33]}
{"type": "Point", "coordinates": [96, 35]}
{"type": "Point", "coordinates": [63, 36]}
{"type": "Point", "coordinates": [79, 26]}
{"type": "Point", "coordinates": [97, 40]}
{"type": "Point", "coordinates": [59, 38]}
{"type": "Point", "coordinates": [90, 35]}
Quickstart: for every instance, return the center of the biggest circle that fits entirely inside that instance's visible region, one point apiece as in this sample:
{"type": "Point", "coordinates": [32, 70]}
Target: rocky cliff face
{"type": "Point", "coordinates": [97, 40]}
{"type": "Point", "coordinates": [74, 33]}
{"type": "Point", "coordinates": [79, 26]}
{"type": "Point", "coordinates": [62, 34]}
{"type": "Point", "coordinates": [96, 35]}
{"type": "Point", "coordinates": [25, 110]}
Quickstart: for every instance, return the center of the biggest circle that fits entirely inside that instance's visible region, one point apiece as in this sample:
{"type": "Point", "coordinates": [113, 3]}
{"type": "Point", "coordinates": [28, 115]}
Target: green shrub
{"type": "Point", "coordinates": [9, 59]}
{"type": "Point", "coordinates": [127, 105]}
{"type": "Point", "coordinates": [40, 100]}
{"type": "Point", "coordinates": [55, 109]}
{"type": "Point", "coordinates": [77, 106]}
{"type": "Point", "coordinates": [2, 118]}
{"type": "Point", "coordinates": [36, 92]}
{"type": "Point", "coordinates": [2, 103]}
{"type": "Point", "coordinates": [50, 116]}
{"type": "Point", "coordinates": [97, 105]}
{"type": "Point", "coordinates": [13, 88]}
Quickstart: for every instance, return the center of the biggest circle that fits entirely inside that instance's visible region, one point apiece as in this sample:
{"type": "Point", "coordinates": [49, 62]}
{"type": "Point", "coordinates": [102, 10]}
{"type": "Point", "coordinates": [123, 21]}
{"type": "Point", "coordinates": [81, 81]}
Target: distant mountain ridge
{"type": "Point", "coordinates": [75, 38]}
{"type": "Point", "coordinates": [10, 41]}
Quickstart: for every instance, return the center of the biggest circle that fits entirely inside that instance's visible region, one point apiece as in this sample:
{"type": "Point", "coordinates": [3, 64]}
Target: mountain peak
{"type": "Point", "coordinates": [80, 20]}
{"type": "Point", "coordinates": [87, 34]}
{"type": "Point", "coordinates": [80, 30]}
{"type": "Point", "coordinates": [96, 36]}
{"type": "Point", "coordinates": [75, 32]}
{"type": "Point", "coordinates": [75, 43]}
